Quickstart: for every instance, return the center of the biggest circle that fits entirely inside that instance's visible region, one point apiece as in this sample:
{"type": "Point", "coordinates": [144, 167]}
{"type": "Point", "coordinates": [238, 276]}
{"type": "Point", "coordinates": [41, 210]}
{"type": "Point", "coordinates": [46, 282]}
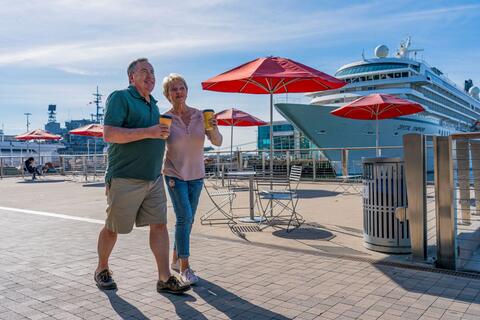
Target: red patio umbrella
{"type": "Point", "coordinates": [377, 107]}
{"type": "Point", "coordinates": [90, 130]}
{"type": "Point", "coordinates": [272, 75]}
{"type": "Point", "coordinates": [237, 118]}
{"type": "Point", "coordinates": [38, 134]}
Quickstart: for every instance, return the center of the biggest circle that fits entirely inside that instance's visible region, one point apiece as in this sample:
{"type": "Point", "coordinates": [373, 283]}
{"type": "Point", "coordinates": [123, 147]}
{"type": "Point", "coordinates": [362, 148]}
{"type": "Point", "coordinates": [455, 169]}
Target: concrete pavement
{"type": "Point", "coordinates": [48, 253]}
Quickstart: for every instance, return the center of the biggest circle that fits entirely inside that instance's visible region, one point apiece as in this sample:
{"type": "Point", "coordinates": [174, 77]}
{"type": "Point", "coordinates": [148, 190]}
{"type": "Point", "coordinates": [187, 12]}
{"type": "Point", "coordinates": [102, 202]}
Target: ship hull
{"type": "Point", "coordinates": [328, 131]}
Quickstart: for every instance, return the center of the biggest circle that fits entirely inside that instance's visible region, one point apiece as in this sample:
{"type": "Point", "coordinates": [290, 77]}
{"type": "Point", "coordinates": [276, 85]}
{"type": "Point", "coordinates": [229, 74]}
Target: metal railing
{"type": "Point", "coordinates": [315, 165]}
{"type": "Point", "coordinates": [444, 218]}
{"type": "Point", "coordinates": [461, 187]}
{"type": "Point", "coordinates": [84, 166]}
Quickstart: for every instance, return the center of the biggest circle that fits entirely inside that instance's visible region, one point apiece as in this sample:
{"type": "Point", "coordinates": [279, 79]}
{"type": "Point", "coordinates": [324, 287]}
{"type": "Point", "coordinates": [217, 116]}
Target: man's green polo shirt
{"type": "Point", "coordinates": [139, 159]}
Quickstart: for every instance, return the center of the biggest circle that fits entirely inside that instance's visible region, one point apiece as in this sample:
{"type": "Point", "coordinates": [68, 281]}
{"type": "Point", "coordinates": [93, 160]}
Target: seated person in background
{"type": "Point", "coordinates": [48, 166]}
{"type": "Point", "coordinates": [31, 168]}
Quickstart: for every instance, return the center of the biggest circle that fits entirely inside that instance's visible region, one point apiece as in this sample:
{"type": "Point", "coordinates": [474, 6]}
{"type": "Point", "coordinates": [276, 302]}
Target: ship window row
{"type": "Point", "coordinates": [445, 83]}
{"type": "Point", "coordinates": [371, 68]}
{"type": "Point", "coordinates": [452, 96]}
{"type": "Point", "coordinates": [381, 76]}
{"type": "Point", "coordinates": [438, 108]}
{"type": "Point", "coordinates": [445, 101]}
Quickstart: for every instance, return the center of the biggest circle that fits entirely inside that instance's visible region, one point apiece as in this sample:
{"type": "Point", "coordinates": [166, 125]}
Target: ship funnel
{"type": "Point", "coordinates": [468, 85]}
{"type": "Point", "coordinates": [381, 51]}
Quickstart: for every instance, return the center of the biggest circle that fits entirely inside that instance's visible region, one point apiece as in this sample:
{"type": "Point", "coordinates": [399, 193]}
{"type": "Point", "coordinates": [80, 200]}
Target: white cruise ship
{"type": "Point", "coordinates": [448, 108]}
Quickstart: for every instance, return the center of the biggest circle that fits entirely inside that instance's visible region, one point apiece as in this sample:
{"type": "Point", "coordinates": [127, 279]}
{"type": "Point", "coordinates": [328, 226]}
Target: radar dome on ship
{"type": "Point", "coordinates": [381, 51]}
{"type": "Point", "coordinates": [474, 92]}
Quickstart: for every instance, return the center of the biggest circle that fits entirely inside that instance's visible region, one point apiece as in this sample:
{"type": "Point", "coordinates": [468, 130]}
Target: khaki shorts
{"type": "Point", "coordinates": [136, 201]}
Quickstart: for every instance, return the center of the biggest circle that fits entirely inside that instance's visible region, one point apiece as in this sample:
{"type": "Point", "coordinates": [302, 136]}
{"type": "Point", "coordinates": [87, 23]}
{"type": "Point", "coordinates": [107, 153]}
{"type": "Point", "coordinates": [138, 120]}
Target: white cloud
{"type": "Point", "coordinates": [77, 71]}
{"type": "Point", "coordinates": [72, 33]}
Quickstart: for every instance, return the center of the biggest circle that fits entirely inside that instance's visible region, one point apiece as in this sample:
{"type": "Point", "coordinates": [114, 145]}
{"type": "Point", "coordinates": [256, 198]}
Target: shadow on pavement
{"type": "Point", "coordinates": [311, 194]}
{"type": "Point", "coordinates": [435, 283]}
{"type": "Point", "coordinates": [305, 234]}
{"type": "Point", "coordinates": [232, 305]}
{"type": "Point", "coordinates": [123, 308]}
{"type": "Point", "coordinates": [224, 301]}
{"type": "Point", "coordinates": [183, 309]}
{"type": "Point", "coordinates": [94, 184]}
{"type": "Point", "coordinates": [41, 181]}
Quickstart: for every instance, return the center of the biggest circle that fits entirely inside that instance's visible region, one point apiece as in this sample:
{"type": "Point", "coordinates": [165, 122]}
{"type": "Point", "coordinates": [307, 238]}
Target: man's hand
{"type": "Point", "coordinates": [125, 135]}
{"type": "Point", "coordinates": [160, 131]}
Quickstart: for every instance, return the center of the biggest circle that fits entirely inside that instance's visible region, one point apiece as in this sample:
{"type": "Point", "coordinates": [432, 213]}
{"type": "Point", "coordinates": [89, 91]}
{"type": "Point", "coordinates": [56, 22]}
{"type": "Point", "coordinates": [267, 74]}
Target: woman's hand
{"type": "Point", "coordinates": [213, 123]}
{"type": "Point", "coordinates": [214, 135]}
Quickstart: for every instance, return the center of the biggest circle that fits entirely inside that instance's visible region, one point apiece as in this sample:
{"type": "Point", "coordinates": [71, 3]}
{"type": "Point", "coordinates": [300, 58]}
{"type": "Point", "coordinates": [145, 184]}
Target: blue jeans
{"type": "Point", "coordinates": [184, 196]}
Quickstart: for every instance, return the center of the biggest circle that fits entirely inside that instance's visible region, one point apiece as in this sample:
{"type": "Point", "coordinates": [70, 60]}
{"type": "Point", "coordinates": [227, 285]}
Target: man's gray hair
{"type": "Point", "coordinates": [133, 66]}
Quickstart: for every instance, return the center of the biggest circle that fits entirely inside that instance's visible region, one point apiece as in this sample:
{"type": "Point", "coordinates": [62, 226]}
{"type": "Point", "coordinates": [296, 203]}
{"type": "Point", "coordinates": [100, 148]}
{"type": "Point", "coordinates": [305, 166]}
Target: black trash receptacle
{"type": "Point", "coordinates": [383, 191]}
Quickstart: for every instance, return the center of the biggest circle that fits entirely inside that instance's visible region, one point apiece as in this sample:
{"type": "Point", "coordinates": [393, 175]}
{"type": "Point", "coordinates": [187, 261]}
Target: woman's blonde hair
{"type": "Point", "coordinates": [169, 79]}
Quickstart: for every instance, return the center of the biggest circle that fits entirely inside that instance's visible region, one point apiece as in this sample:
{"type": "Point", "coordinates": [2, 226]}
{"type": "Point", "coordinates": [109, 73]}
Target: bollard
{"type": "Point", "coordinates": [62, 165]}
{"type": "Point", "coordinates": [345, 162]}
{"type": "Point", "coordinates": [223, 175]}
{"type": "Point", "coordinates": [95, 165]}
{"type": "Point", "coordinates": [444, 206]}
{"type": "Point", "coordinates": [287, 155]}
{"type": "Point", "coordinates": [84, 168]}
{"type": "Point", "coordinates": [415, 176]}
{"type": "Point", "coordinates": [21, 165]}
{"type": "Point", "coordinates": [263, 164]}
{"type": "Point", "coordinates": [240, 160]}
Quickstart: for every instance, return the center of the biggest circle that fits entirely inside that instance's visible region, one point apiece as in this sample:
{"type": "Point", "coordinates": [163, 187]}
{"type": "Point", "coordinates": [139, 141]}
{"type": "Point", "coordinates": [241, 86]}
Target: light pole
{"type": "Point", "coordinates": [28, 114]}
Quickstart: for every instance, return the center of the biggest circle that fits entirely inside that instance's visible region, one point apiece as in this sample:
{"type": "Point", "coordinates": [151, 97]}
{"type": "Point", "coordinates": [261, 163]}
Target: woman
{"type": "Point", "coordinates": [184, 169]}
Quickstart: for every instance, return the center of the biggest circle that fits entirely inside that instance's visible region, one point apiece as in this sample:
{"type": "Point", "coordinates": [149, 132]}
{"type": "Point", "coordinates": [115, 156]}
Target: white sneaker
{"type": "Point", "coordinates": [175, 266]}
{"type": "Point", "coordinates": [188, 276]}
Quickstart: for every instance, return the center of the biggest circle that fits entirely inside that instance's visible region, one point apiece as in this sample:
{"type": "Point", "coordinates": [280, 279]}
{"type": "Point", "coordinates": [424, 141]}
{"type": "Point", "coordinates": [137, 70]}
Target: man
{"type": "Point", "coordinates": [134, 187]}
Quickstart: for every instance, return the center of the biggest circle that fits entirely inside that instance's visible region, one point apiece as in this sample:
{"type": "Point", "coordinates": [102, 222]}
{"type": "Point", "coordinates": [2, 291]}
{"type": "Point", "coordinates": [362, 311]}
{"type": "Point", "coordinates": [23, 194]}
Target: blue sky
{"type": "Point", "coordinates": [58, 51]}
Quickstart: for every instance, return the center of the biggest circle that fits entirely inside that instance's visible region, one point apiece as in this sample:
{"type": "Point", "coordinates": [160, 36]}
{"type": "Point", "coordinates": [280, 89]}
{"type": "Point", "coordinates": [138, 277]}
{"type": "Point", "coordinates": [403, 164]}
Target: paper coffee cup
{"type": "Point", "coordinates": [165, 120]}
{"type": "Point", "coordinates": [207, 115]}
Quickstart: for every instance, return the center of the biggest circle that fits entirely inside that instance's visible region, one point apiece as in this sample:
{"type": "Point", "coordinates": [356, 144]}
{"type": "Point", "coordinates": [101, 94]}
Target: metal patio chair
{"type": "Point", "coordinates": [278, 199]}
{"type": "Point", "coordinates": [350, 183]}
{"type": "Point", "coordinates": [222, 197]}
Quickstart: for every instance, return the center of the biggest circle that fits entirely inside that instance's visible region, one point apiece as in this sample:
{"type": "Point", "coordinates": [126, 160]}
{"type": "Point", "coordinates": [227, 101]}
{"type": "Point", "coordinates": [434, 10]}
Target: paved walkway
{"type": "Point", "coordinates": [47, 262]}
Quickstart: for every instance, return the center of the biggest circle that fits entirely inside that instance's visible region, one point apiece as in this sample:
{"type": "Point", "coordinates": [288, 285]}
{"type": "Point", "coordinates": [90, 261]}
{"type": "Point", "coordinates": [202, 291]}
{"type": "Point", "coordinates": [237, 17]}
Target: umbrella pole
{"type": "Point", "coordinates": [271, 139]}
{"type": "Point", "coordinates": [271, 151]}
{"type": "Point", "coordinates": [231, 143]}
{"type": "Point", "coordinates": [95, 159]}
{"type": "Point", "coordinates": [376, 138]}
